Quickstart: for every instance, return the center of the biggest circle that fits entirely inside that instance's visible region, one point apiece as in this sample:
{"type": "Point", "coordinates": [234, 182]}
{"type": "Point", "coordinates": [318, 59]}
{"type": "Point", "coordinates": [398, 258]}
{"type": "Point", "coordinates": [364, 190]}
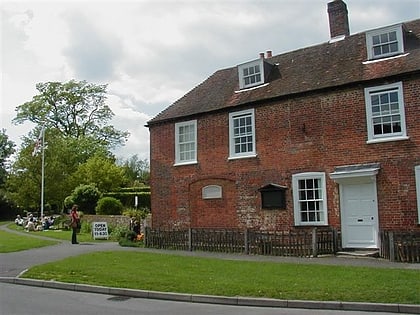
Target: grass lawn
{"type": "Point", "coordinates": [64, 235]}
{"type": "Point", "coordinates": [10, 242]}
{"type": "Point", "coordinates": [172, 273]}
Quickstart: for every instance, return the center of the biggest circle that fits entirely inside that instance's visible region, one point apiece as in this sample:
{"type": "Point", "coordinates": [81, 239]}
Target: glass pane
{"type": "Point", "coordinates": [302, 184]}
{"type": "Point", "coordinates": [384, 98]}
{"type": "Point", "coordinates": [309, 183]}
{"type": "Point", "coordinates": [384, 38]}
{"type": "Point", "coordinates": [385, 49]}
{"type": "Point", "coordinates": [377, 129]}
{"type": "Point", "coordinates": [375, 39]}
{"type": "Point", "coordinates": [396, 127]}
{"type": "Point", "coordinates": [374, 99]}
{"type": "Point", "coordinates": [393, 47]}
{"type": "Point", "coordinates": [386, 128]}
{"type": "Point", "coordinates": [392, 36]}
{"type": "Point", "coordinates": [393, 97]}
{"type": "Point", "coordinates": [377, 50]}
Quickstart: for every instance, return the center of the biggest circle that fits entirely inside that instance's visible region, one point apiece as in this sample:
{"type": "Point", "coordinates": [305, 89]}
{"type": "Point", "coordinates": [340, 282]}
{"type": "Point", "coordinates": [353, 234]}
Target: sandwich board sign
{"type": "Point", "coordinates": [100, 230]}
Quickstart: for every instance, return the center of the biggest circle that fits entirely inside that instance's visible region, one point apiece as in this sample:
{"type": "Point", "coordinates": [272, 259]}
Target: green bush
{"type": "Point", "coordinates": [86, 197]}
{"type": "Point", "coordinates": [109, 206]}
{"type": "Point", "coordinates": [137, 214]}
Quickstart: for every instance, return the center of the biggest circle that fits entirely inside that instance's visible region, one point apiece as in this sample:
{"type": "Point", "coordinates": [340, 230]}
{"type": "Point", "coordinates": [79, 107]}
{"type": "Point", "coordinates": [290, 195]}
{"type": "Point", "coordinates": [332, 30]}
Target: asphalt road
{"type": "Point", "coordinates": [27, 300]}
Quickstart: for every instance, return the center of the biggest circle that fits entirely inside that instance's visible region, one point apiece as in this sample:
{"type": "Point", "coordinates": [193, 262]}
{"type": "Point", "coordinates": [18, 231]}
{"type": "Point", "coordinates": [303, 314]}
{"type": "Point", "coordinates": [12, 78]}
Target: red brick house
{"type": "Point", "coordinates": [327, 135]}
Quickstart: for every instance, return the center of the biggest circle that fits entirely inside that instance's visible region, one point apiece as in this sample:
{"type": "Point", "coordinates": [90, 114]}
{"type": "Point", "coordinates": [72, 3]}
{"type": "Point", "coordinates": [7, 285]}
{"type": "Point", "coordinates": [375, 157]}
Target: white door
{"type": "Point", "coordinates": [359, 214]}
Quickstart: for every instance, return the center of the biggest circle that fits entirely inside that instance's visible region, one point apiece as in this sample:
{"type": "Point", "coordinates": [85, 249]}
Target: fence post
{"type": "Point", "coordinates": [190, 239]}
{"type": "Point", "coordinates": [391, 246]}
{"type": "Point", "coordinates": [246, 242]}
{"type": "Point", "coordinates": [314, 243]}
{"type": "Point", "coordinates": [335, 240]}
{"type": "Point", "coordinates": [146, 236]}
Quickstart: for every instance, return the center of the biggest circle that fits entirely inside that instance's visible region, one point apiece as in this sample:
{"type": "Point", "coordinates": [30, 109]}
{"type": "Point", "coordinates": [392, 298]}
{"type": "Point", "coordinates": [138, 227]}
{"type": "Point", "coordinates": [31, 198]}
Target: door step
{"type": "Point", "coordinates": [359, 253]}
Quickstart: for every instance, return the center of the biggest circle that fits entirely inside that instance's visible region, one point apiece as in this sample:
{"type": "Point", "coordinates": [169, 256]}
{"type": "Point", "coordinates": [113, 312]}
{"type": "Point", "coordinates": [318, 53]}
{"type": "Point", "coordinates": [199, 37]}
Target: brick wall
{"type": "Point", "coordinates": [312, 133]}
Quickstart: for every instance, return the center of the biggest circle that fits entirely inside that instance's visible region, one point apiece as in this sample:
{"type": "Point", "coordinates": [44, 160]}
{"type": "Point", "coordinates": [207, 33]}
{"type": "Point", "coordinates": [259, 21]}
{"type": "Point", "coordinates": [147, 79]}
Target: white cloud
{"type": "Point", "coordinates": [151, 52]}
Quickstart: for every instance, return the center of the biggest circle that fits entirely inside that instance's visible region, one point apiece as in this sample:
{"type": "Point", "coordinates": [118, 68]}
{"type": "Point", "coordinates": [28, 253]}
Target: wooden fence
{"type": "Point", "coordinates": [400, 246]}
{"type": "Point", "coordinates": [299, 243]}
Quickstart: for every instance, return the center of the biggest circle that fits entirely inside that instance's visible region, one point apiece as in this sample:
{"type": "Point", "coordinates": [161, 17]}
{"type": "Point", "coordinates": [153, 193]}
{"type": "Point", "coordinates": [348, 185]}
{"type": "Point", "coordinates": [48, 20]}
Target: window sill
{"type": "Point", "coordinates": [244, 89]}
{"type": "Point", "coordinates": [242, 157]}
{"type": "Point", "coordinates": [186, 163]}
{"type": "Point", "coordinates": [384, 58]}
{"type": "Point", "coordinates": [314, 224]}
{"type": "Point", "coordinates": [380, 140]}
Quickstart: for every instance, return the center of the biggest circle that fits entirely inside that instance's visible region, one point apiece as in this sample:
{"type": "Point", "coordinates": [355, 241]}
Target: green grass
{"type": "Point", "coordinates": [173, 273]}
{"type": "Point", "coordinates": [10, 242]}
{"type": "Point", "coordinates": [64, 235]}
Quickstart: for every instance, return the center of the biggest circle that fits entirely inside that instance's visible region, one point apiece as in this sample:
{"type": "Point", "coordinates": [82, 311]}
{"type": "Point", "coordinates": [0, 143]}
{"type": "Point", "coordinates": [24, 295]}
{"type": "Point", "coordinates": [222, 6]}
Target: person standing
{"type": "Point", "coordinates": [74, 217]}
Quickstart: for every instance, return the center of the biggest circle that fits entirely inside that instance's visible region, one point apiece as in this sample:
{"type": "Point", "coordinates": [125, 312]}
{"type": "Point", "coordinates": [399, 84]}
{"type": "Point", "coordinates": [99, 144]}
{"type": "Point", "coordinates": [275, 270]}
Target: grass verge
{"type": "Point", "coordinates": [194, 275]}
{"type": "Point", "coordinates": [64, 235]}
{"type": "Point", "coordinates": [10, 242]}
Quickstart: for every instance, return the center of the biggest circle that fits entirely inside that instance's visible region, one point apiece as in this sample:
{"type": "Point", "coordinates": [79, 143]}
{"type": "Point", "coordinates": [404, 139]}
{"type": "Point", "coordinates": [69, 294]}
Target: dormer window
{"type": "Point", "coordinates": [252, 73]}
{"type": "Point", "coordinates": [385, 42]}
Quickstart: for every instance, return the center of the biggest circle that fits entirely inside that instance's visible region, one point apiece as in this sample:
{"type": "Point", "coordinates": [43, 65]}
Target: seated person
{"type": "Point", "coordinates": [19, 220]}
{"type": "Point", "coordinates": [31, 225]}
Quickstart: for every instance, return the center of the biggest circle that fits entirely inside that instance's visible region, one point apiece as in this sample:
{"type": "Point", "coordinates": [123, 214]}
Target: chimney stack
{"type": "Point", "coordinates": [338, 17]}
{"type": "Point", "coordinates": [269, 54]}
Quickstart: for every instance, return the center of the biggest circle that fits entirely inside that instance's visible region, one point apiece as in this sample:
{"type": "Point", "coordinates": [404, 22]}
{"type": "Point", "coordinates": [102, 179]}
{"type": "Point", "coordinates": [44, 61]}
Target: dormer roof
{"type": "Point", "coordinates": [325, 66]}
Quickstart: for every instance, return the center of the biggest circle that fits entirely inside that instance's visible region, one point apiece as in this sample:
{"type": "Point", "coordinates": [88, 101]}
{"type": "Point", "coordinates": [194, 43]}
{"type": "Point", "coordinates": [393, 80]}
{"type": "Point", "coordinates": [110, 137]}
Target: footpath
{"type": "Point", "coordinates": [13, 265]}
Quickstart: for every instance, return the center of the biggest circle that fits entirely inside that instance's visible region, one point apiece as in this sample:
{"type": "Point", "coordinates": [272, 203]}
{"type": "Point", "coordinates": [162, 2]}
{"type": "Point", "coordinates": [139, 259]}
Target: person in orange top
{"type": "Point", "coordinates": [74, 217]}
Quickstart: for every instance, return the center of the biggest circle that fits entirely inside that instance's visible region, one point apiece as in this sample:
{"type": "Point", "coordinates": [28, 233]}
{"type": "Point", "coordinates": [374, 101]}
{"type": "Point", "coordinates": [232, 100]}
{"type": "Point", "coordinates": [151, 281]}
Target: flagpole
{"type": "Point", "coordinates": [42, 172]}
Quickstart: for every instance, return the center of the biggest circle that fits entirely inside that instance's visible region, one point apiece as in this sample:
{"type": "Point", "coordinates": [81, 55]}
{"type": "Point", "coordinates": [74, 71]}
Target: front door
{"type": "Point", "coordinates": [359, 214]}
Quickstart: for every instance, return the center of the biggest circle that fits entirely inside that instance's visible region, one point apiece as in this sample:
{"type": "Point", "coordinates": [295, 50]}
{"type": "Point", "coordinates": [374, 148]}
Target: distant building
{"type": "Point", "coordinates": [327, 135]}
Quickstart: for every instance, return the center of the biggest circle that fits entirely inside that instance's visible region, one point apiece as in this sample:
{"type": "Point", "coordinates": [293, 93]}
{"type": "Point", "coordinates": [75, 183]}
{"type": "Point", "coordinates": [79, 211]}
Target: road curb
{"type": "Point", "coordinates": [211, 299]}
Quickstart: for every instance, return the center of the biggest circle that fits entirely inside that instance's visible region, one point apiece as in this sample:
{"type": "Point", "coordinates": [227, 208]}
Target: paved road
{"type": "Point", "coordinates": [13, 264]}
{"type": "Point", "coordinates": [19, 300]}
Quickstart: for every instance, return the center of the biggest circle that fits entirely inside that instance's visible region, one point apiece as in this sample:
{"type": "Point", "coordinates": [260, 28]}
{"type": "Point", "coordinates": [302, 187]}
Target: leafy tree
{"type": "Point", "coordinates": [109, 206]}
{"type": "Point", "coordinates": [76, 121]}
{"type": "Point", "coordinates": [7, 148]}
{"type": "Point", "coordinates": [75, 109]}
{"type": "Point", "coordinates": [86, 197]}
{"type": "Point", "coordinates": [100, 171]}
{"type": "Point", "coordinates": [63, 156]}
{"type": "Point", "coordinates": [137, 171]}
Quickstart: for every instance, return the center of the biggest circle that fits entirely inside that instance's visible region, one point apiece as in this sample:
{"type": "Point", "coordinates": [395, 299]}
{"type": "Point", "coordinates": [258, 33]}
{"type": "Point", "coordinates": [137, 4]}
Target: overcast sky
{"type": "Point", "coordinates": [150, 53]}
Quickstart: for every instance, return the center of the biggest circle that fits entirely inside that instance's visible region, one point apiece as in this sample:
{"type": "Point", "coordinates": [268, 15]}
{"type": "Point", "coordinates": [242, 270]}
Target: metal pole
{"type": "Point", "coordinates": [42, 172]}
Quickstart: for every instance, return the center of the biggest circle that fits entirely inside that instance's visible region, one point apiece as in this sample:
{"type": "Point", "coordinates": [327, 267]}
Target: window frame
{"type": "Point", "coordinates": [378, 90]}
{"type": "Point", "coordinates": [382, 31]}
{"type": "Point", "coordinates": [232, 137]}
{"type": "Point", "coordinates": [297, 202]}
{"type": "Point", "coordinates": [248, 65]}
{"type": "Point", "coordinates": [178, 151]}
{"type": "Point", "coordinates": [417, 179]}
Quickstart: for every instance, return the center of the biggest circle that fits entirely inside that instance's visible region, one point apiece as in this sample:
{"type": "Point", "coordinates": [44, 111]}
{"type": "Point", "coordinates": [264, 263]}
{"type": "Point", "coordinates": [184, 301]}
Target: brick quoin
{"type": "Point", "coordinates": [313, 132]}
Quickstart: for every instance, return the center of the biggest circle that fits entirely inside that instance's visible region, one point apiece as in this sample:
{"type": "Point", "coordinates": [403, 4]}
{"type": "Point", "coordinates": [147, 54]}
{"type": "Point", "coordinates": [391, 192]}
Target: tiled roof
{"type": "Point", "coordinates": [317, 67]}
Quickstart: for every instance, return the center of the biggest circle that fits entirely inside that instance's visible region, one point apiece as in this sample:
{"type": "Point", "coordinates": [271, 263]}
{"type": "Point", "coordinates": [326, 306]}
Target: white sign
{"type": "Point", "coordinates": [99, 230]}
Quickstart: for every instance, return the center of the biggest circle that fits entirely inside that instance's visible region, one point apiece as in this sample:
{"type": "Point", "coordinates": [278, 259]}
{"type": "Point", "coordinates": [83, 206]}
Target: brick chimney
{"type": "Point", "coordinates": [338, 17]}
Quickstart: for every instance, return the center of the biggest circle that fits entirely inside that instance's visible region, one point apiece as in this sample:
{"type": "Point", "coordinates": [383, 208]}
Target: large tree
{"type": "Point", "coordinates": [7, 148]}
{"type": "Point", "coordinates": [136, 170]}
{"type": "Point", "coordinates": [76, 123]}
{"type": "Point", "coordinates": [75, 109]}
